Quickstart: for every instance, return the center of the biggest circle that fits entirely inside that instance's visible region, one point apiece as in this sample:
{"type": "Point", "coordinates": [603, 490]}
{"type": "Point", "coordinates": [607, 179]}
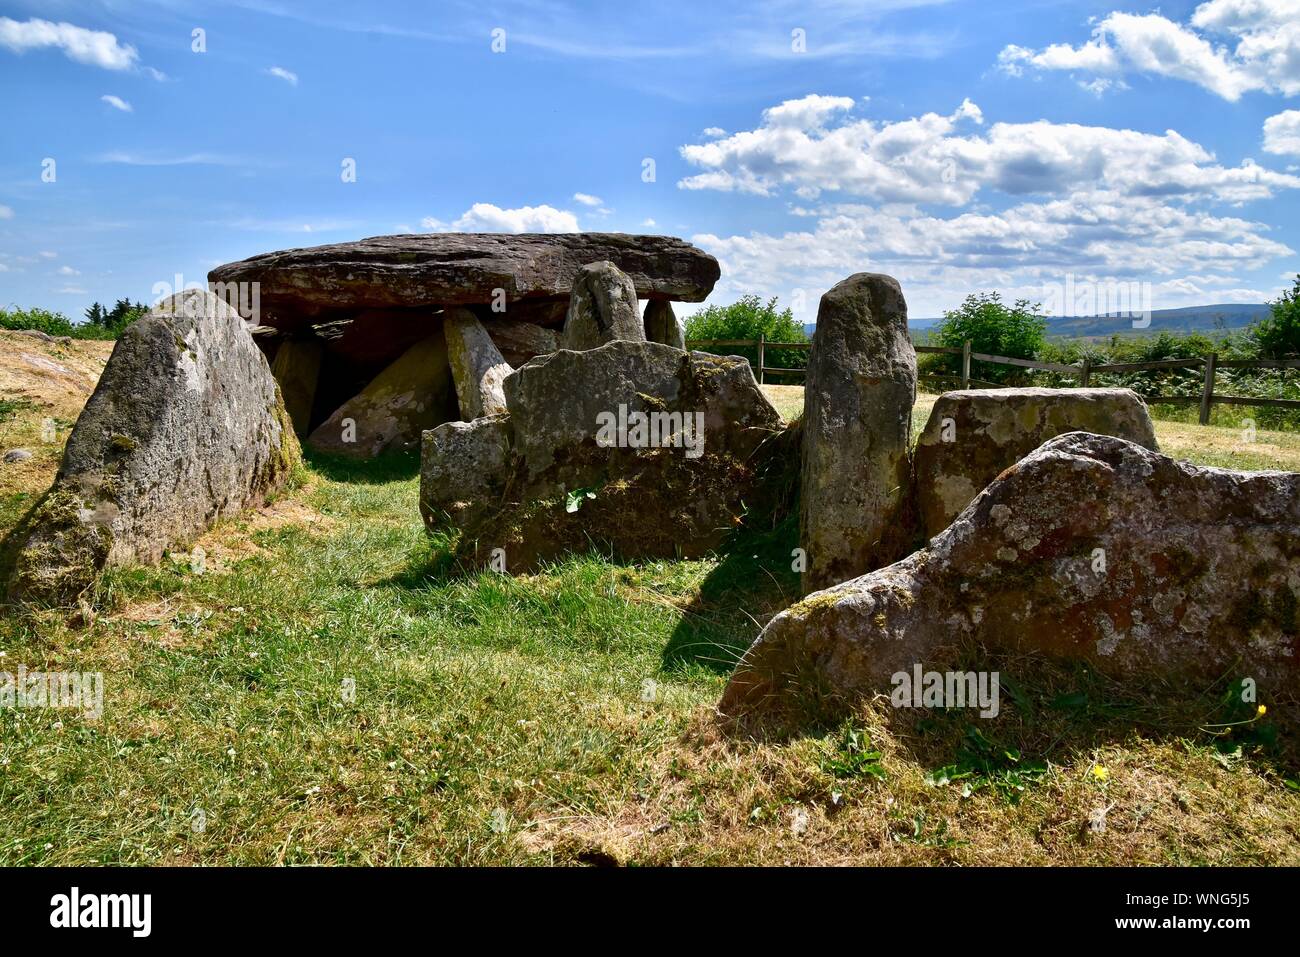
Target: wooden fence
{"type": "Point", "coordinates": [1083, 371]}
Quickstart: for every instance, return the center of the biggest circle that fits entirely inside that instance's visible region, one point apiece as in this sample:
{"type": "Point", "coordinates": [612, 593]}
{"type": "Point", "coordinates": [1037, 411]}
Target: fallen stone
{"type": "Point", "coordinates": [637, 447]}
{"type": "Point", "coordinates": [413, 394]}
{"type": "Point", "coordinates": [297, 370]}
{"type": "Point", "coordinates": [477, 366]}
{"type": "Point", "coordinates": [662, 326]}
{"type": "Point", "coordinates": [437, 269]}
{"type": "Point", "coordinates": [603, 309]}
{"type": "Point", "coordinates": [973, 435]}
{"type": "Point", "coordinates": [1091, 548]}
{"type": "Point", "coordinates": [521, 341]}
{"type": "Point", "coordinates": [858, 396]}
{"type": "Point", "coordinates": [18, 455]}
{"type": "Point", "coordinates": [186, 426]}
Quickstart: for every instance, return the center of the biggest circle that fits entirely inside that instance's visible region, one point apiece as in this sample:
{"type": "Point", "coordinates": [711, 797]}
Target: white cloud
{"type": "Point", "coordinates": [927, 159]}
{"type": "Point", "coordinates": [587, 199]}
{"type": "Point", "coordinates": [713, 132]}
{"type": "Point", "coordinates": [1191, 257]}
{"type": "Point", "coordinates": [189, 159]}
{"type": "Point", "coordinates": [1265, 57]}
{"type": "Point", "coordinates": [487, 218]}
{"type": "Point", "coordinates": [287, 75]}
{"type": "Point", "coordinates": [71, 291]}
{"type": "Point", "coordinates": [46, 254]}
{"type": "Point", "coordinates": [1282, 133]}
{"type": "Point", "coordinates": [647, 222]}
{"type": "Point", "coordinates": [6, 212]}
{"type": "Point", "coordinates": [116, 102]}
{"type": "Point", "coordinates": [92, 47]}
{"type": "Point", "coordinates": [68, 271]}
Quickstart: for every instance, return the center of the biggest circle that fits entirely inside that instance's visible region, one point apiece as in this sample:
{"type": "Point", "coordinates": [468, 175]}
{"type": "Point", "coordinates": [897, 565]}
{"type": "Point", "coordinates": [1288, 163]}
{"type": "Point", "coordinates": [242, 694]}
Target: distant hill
{"type": "Point", "coordinates": [1184, 320]}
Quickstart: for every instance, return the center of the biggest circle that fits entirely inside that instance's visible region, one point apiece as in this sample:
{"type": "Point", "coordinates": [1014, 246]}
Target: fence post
{"type": "Point", "coordinates": [1085, 373]}
{"type": "Point", "coordinates": [1207, 394]}
{"type": "Point", "coordinates": [965, 364]}
{"type": "Point", "coordinates": [761, 342]}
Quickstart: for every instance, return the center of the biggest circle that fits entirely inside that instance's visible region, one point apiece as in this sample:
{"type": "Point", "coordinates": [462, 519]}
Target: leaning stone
{"type": "Point", "coordinates": [603, 309]}
{"type": "Point", "coordinates": [477, 366]}
{"type": "Point", "coordinates": [185, 427]}
{"type": "Point", "coordinates": [1091, 548]}
{"type": "Point", "coordinates": [662, 326]}
{"type": "Point", "coordinates": [411, 395]}
{"type": "Point", "coordinates": [973, 435]}
{"type": "Point", "coordinates": [860, 386]}
{"type": "Point", "coordinates": [463, 470]}
{"type": "Point", "coordinates": [297, 370]}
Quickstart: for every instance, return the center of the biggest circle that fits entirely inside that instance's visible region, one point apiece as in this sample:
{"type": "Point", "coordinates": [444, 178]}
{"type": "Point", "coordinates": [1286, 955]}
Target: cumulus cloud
{"type": "Point", "coordinates": [1282, 133]}
{"type": "Point", "coordinates": [92, 47]}
{"type": "Point", "coordinates": [487, 218]}
{"type": "Point", "coordinates": [587, 199]}
{"type": "Point", "coordinates": [1229, 47]}
{"type": "Point", "coordinates": [116, 102]}
{"type": "Point", "coordinates": [812, 145]}
{"type": "Point", "coordinates": [287, 75]}
{"type": "Point", "coordinates": [1191, 256]}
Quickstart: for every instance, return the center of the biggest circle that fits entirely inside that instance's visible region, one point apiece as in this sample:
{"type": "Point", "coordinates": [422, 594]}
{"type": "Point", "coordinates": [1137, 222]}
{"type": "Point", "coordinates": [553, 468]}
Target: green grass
{"type": "Point", "coordinates": [328, 691]}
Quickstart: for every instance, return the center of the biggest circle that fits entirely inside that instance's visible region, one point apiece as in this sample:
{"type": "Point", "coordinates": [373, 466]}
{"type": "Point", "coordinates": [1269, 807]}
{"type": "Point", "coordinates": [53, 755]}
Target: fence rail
{"type": "Point", "coordinates": [1084, 371]}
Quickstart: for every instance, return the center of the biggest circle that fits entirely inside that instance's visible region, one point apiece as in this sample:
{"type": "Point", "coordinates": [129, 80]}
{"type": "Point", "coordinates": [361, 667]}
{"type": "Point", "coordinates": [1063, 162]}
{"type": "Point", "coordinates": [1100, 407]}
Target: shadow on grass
{"type": "Point", "coordinates": [396, 466]}
{"type": "Point", "coordinates": [752, 582]}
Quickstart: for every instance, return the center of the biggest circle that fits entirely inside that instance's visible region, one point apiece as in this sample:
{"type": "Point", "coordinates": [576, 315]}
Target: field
{"type": "Point", "coordinates": [314, 692]}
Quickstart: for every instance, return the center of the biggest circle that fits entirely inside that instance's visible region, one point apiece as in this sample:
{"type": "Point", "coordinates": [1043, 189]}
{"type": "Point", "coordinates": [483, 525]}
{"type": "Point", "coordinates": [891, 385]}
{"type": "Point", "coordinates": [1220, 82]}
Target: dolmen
{"type": "Point", "coordinates": [376, 341]}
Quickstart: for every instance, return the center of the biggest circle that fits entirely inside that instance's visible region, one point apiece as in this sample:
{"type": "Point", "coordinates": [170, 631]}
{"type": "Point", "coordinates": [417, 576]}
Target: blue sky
{"type": "Point", "coordinates": [959, 146]}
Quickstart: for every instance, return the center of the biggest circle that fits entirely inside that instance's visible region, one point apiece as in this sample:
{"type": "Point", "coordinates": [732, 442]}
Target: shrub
{"type": "Point", "coordinates": [1278, 335]}
{"type": "Point", "coordinates": [1016, 331]}
{"type": "Point", "coordinates": [749, 318]}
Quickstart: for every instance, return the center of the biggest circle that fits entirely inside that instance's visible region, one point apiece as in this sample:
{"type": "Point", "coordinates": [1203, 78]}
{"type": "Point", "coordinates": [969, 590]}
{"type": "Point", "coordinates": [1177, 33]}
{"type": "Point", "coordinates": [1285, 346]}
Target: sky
{"type": "Point", "coordinates": [959, 146]}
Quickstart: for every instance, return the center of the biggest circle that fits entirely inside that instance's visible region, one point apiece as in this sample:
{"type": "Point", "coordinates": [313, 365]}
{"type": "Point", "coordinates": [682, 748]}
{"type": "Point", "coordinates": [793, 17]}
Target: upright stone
{"type": "Point", "coordinates": [858, 397]}
{"type": "Point", "coordinates": [412, 394]}
{"type": "Point", "coordinates": [602, 308]}
{"type": "Point", "coordinates": [185, 427]}
{"type": "Point", "coordinates": [662, 326]}
{"type": "Point", "coordinates": [297, 370]}
{"type": "Point", "coordinates": [477, 366]}
{"type": "Point", "coordinates": [973, 435]}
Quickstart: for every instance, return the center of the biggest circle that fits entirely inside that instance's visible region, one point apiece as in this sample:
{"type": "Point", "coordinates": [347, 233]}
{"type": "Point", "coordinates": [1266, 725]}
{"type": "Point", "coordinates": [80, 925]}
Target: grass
{"type": "Point", "coordinates": [322, 693]}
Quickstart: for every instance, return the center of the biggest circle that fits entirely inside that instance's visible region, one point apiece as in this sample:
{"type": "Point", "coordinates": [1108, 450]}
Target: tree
{"type": "Point", "coordinates": [96, 315]}
{"type": "Point", "coordinates": [749, 318]}
{"type": "Point", "coordinates": [1016, 331]}
{"type": "Point", "coordinates": [1278, 334]}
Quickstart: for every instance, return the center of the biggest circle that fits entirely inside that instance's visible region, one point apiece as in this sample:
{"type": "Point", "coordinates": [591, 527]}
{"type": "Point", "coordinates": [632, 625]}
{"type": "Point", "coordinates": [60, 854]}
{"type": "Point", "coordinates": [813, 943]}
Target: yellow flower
{"type": "Point", "coordinates": [1099, 772]}
{"type": "Point", "coordinates": [1261, 711]}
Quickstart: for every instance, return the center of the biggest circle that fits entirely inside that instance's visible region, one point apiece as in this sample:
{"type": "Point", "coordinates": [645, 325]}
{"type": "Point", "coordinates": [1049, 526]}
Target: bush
{"type": "Point", "coordinates": [750, 318]}
{"type": "Point", "coordinates": [992, 327]}
{"type": "Point", "coordinates": [100, 324]}
{"type": "Point", "coordinates": [42, 320]}
{"type": "Point", "coordinates": [1278, 335]}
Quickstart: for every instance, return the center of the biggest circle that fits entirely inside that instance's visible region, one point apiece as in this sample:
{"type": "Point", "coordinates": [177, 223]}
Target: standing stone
{"type": "Point", "coordinates": [185, 427]}
{"type": "Point", "coordinates": [477, 366]}
{"type": "Point", "coordinates": [603, 308]}
{"type": "Point", "coordinates": [412, 394]}
{"type": "Point", "coordinates": [464, 467]}
{"type": "Point", "coordinates": [1091, 549]}
{"type": "Point", "coordinates": [297, 370]}
{"type": "Point", "coordinates": [860, 387]}
{"type": "Point", "coordinates": [662, 326]}
{"type": "Point", "coordinates": [972, 435]}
